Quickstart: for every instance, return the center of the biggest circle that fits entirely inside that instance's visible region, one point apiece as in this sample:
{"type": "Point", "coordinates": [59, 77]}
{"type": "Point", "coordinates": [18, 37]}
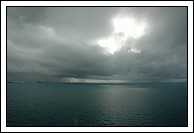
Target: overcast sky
{"type": "Point", "coordinates": [97, 44]}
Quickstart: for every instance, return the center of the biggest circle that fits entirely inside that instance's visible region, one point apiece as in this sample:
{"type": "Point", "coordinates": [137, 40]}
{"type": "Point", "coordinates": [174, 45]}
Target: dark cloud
{"type": "Point", "coordinates": [58, 44]}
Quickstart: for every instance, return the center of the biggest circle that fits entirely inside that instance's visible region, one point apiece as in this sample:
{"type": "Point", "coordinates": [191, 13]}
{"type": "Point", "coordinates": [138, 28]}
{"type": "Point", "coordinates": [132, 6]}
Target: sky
{"type": "Point", "coordinates": [97, 44]}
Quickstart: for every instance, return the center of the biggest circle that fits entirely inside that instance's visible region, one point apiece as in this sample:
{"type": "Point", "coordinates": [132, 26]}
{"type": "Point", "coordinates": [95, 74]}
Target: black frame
{"type": "Point", "coordinates": [96, 6]}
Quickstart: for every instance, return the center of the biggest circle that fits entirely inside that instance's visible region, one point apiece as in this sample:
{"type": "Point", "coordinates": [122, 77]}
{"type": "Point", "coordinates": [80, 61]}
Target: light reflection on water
{"type": "Point", "coordinates": [97, 104]}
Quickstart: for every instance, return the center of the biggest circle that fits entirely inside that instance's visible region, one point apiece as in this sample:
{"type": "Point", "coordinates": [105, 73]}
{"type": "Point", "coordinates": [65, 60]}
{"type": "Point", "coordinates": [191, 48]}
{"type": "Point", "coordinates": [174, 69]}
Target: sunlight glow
{"type": "Point", "coordinates": [125, 28]}
{"type": "Point", "coordinates": [129, 27]}
{"type": "Point", "coordinates": [112, 44]}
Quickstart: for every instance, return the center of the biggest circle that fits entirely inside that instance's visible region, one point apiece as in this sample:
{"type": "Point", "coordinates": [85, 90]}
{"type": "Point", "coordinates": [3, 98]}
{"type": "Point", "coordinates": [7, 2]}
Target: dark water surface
{"type": "Point", "coordinates": [57, 104]}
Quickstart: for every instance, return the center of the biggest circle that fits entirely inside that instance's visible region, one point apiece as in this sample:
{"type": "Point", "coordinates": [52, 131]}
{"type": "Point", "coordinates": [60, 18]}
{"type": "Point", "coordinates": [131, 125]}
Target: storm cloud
{"type": "Point", "coordinates": [62, 44]}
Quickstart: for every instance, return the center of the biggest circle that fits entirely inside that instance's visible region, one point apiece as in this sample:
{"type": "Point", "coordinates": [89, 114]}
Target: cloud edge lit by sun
{"type": "Point", "coordinates": [125, 28]}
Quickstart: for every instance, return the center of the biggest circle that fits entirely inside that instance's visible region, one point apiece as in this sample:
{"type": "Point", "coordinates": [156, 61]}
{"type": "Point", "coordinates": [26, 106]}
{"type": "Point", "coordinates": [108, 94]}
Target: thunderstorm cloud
{"type": "Point", "coordinates": [97, 44]}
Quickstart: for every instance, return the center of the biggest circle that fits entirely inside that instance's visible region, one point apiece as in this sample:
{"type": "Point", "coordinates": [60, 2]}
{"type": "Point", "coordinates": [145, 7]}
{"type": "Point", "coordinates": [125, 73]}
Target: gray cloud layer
{"type": "Point", "coordinates": [58, 44]}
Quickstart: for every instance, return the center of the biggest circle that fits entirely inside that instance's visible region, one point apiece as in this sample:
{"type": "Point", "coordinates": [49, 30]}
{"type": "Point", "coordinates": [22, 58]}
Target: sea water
{"type": "Point", "coordinates": [79, 104]}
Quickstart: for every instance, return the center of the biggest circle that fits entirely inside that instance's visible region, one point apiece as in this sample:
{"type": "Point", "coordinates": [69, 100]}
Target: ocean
{"type": "Point", "coordinates": [96, 105]}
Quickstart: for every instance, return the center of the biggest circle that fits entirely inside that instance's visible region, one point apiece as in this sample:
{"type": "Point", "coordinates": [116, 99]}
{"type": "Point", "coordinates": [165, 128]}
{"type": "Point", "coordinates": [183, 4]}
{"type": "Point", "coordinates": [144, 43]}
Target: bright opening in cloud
{"type": "Point", "coordinates": [129, 27]}
{"type": "Point", "coordinates": [124, 28]}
